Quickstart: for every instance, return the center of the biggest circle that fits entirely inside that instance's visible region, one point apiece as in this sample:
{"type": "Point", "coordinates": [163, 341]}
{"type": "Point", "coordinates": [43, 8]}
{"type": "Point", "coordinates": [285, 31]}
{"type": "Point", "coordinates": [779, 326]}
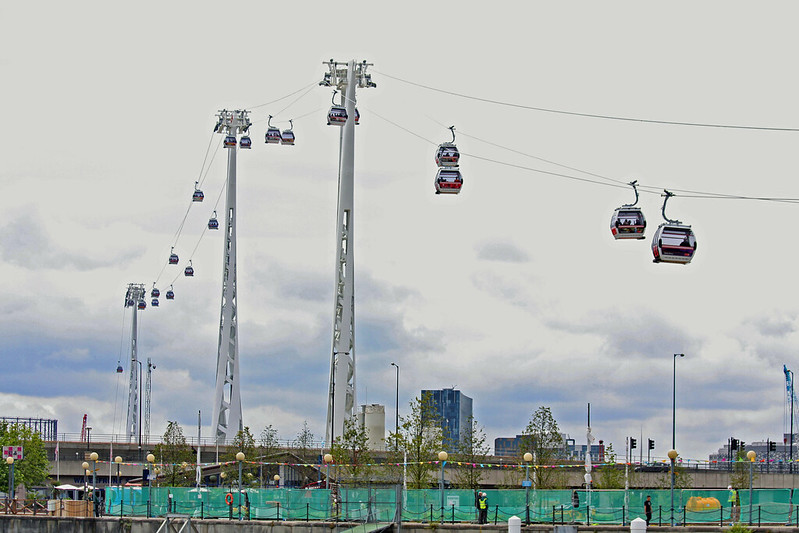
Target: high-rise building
{"type": "Point", "coordinates": [454, 409]}
{"type": "Point", "coordinates": [373, 418]}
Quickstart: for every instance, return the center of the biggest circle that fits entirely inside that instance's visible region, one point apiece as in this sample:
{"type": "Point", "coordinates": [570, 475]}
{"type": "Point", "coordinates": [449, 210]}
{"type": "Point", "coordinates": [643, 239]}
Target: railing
{"type": "Point", "coordinates": [28, 506]}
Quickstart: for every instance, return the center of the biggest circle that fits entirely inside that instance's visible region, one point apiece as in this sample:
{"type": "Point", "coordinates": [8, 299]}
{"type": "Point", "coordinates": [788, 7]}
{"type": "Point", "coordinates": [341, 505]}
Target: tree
{"type": "Point", "coordinates": [32, 469]}
{"type": "Point", "coordinates": [243, 442]}
{"type": "Point", "coordinates": [610, 475]}
{"type": "Point", "coordinates": [269, 448]}
{"type": "Point", "coordinates": [304, 441]}
{"type": "Point", "coordinates": [542, 438]}
{"type": "Point", "coordinates": [353, 451]}
{"type": "Point", "coordinates": [421, 439]}
{"type": "Point", "coordinates": [471, 449]}
{"type": "Point", "coordinates": [175, 457]}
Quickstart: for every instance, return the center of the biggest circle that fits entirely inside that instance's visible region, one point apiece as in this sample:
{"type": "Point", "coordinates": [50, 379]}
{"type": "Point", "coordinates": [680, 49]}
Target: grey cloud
{"type": "Point", "coordinates": [502, 252]}
{"type": "Point", "coordinates": [24, 242]}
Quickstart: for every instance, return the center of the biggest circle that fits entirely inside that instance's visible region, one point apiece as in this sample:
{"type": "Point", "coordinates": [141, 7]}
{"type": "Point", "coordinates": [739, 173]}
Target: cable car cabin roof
{"type": "Point", "coordinates": [673, 243]}
{"type": "Point", "coordinates": [627, 223]}
{"type": "Point", "coordinates": [448, 181]}
{"type": "Point", "coordinates": [230, 141]}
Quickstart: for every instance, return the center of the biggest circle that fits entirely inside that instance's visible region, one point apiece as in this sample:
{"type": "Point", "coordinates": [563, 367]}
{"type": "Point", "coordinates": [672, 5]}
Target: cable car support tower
{"type": "Point", "coordinates": [134, 298]}
{"type": "Point", "coordinates": [341, 392]}
{"type": "Point", "coordinates": [226, 419]}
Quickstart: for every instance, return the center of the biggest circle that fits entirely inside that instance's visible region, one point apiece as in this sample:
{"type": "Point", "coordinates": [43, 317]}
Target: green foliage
{"type": "Point", "coordinates": [243, 442]}
{"type": "Point", "coordinates": [303, 444]}
{"type": "Point", "coordinates": [682, 478]}
{"type": "Point", "coordinates": [542, 438]}
{"type": "Point", "coordinates": [610, 476]}
{"type": "Point", "coordinates": [268, 449]}
{"type": "Point", "coordinates": [739, 528]}
{"type": "Point", "coordinates": [420, 437]}
{"type": "Point", "coordinates": [175, 458]}
{"type": "Point", "coordinates": [471, 449]}
{"type": "Point", "coordinates": [352, 450]}
{"type": "Point", "coordinates": [739, 478]}
{"type": "Point", "coordinates": [32, 469]}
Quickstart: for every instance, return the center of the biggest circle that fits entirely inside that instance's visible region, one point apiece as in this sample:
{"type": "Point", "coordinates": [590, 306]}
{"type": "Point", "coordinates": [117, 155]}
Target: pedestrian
{"type": "Point", "coordinates": [735, 502]}
{"type": "Point", "coordinates": [575, 499]}
{"type": "Point", "coordinates": [483, 508]}
{"type": "Point", "coordinates": [648, 509]}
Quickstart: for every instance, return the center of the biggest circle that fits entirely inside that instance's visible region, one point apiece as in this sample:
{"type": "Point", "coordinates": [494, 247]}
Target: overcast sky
{"type": "Point", "coordinates": [514, 291]}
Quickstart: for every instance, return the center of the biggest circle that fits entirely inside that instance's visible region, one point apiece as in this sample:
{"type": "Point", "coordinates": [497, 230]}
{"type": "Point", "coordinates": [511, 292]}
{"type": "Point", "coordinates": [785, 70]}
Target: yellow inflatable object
{"type": "Point", "coordinates": [695, 503]}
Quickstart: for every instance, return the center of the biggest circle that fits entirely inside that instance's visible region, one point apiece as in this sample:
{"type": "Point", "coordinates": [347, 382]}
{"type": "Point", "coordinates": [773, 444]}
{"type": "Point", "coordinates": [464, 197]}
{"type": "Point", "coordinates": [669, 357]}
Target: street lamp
{"type": "Point", "coordinates": [672, 456]}
{"type": "Point", "coordinates": [674, 402]}
{"type": "Point", "coordinates": [240, 458]}
{"type": "Point", "coordinates": [527, 458]}
{"type": "Point", "coordinates": [751, 456]}
{"type": "Point", "coordinates": [328, 459]}
{"type": "Point", "coordinates": [150, 461]}
{"type": "Point", "coordinates": [10, 462]}
{"type": "Point", "coordinates": [442, 456]}
{"type": "Point", "coordinates": [277, 481]}
{"type": "Point", "coordinates": [118, 461]}
{"type": "Point", "coordinates": [85, 466]}
{"type": "Point", "coordinates": [95, 497]}
{"type": "Point", "coordinates": [396, 410]}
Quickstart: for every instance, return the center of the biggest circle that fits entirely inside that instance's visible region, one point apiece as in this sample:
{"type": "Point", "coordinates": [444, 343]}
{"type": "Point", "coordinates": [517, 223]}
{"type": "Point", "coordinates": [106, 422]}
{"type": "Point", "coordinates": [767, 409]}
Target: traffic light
{"type": "Point", "coordinates": [772, 446]}
{"type": "Point", "coordinates": [733, 444]}
{"type": "Point", "coordinates": [651, 444]}
{"type": "Point", "coordinates": [633, 443]}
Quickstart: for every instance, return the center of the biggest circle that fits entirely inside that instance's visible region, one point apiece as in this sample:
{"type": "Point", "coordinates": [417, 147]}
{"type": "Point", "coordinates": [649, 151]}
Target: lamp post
{"type": "Point", "coordinates": [10, 462]}
{"type": "Point", "coordinates": [139, 408]}
{"type": "Point", "coordinates": [674, 402]}
{"type": "Point", "coordinates": [442, 456]}
{"type": "Point", "coordinates": [277, 481]}
{"type": "Point", "coordinates": [328, 459]}
{"type": "Point", "coordinates": [672, 456]}
{"type": "Point", "coordinates": [396, 404]}
{"type": "Point", "coordinates": [527, 458]}
{"type": "Point", "coordinates": [93, 457]}
{"type": "Point", "coordinates": [85, 466]}
{"type": "Point", "coordinates": [118, 461]}
{"type": "Point", "coordinates": [240, 458]}
{"type": "Point", "coordinates": [150, 461]}
{"type": "Point", "coordinates": [751, 456]}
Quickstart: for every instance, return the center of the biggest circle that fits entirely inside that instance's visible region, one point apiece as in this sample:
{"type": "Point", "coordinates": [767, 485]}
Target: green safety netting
{"type": "Point", "coordinates": [380, 504]}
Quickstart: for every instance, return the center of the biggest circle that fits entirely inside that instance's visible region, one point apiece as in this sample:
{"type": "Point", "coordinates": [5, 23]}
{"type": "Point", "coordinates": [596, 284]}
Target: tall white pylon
{"type": "Point", "coordinates": [341, 393]}
{"type": "Point", "coordinates": [226, 419]}
{"type": "Point", "coordinates": [134, 297]}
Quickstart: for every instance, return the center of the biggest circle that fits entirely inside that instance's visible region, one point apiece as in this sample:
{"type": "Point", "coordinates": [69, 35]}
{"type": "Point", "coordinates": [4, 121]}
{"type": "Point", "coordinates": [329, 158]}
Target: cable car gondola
{"type": "Point", "coordinates": [170, 294]}
{"type": "Point", "coordinates": [272, 133]}
{"type": "Point", "coordinates": [129, 303]}
{"type": "Point", "coordinates": [230, 141]}
{"type": "Point", "coordinates": [448, 181]}
{"type": "Point", "coordinates": [287, 137]}
{"type": "Point", "coordinates": [357, 117]}
{"type": "Point", "coordinates": [173, 257]}
{"type": "Point", "coordinates": [337, 116]}
{"type": "Point", "coordinates": [142, 304]}
{"type": "Point", "coordinates": [447, 154]}
{"type": "Point", "coordinates": [245, 142]}
{"type": "Point", "coordinates": [213, 223]}
{"type": "Point", "coordinates": [628, 221]}
{"type": "Point", "coordinates": [189, 270]}
{"type": "Point", "coordinates": [198, 195]}
{"type": "Point", "coordinates": [154, 303]}
{"type": "Point", "coordinates": [673, 242]}
{"type": "Point", "coordinates": [155, 293]}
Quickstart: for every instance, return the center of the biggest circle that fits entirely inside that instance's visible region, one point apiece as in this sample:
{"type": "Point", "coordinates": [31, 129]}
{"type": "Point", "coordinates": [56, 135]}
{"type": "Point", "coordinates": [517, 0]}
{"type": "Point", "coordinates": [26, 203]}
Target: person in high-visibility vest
{"type": "Point", "coordinates": [734, 504]}
{"type": "Point", "coordinates": [483, 503]}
